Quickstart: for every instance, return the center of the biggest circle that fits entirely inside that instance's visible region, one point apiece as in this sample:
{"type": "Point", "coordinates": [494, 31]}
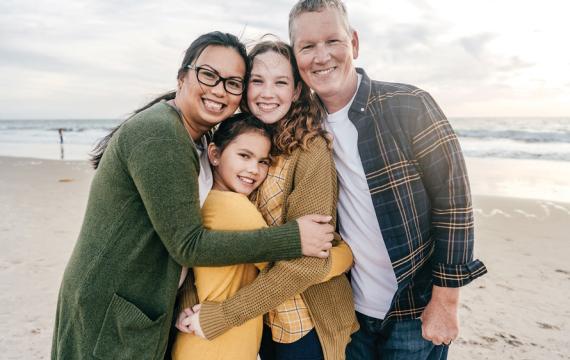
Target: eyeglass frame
{"type": "Point", "coordinates": [220, 78]}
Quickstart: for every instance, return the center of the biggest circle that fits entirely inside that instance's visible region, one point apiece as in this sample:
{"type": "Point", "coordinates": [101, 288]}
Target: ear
{"type": "Point", "coordinates": [213, 154]}
{"type": "Point", "coordinates": [354, 43]}
{"type": "Point", "coordinates": [297, 91]}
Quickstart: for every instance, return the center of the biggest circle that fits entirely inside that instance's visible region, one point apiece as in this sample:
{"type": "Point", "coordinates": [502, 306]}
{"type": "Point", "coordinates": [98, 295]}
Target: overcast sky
{"type": "Point", "coordinates": [102, 59]}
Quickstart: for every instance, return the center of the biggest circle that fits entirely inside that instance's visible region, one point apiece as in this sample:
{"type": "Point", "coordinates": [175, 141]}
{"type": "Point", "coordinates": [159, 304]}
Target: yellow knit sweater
{"type": "Point", "coordinates": [310, 188]}
{"type": "Point", "coordinates": [224, 210]}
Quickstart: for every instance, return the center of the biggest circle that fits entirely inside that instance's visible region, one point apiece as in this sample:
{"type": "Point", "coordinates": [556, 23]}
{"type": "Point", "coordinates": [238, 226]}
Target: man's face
{"type": "Point", "coordinates": [325, 50]}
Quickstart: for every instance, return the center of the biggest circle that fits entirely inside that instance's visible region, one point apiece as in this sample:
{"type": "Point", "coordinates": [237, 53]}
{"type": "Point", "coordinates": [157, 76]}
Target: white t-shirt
{"type": "Point", "coordinates": [373, 280]}
{"type": "Point", "coordinates": [205, 179]}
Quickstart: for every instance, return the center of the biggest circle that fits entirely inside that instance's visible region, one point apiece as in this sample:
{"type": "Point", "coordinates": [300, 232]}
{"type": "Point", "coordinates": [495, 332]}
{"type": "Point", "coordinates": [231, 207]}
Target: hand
{"type": "Point", "coordinates": [440, 323]}
{"type": "Point", "coordinates": [183, 320]}
{"type": "Point", "coordinates": [195, 322]}
{"type": "Point", "coordinates": [316, 235]}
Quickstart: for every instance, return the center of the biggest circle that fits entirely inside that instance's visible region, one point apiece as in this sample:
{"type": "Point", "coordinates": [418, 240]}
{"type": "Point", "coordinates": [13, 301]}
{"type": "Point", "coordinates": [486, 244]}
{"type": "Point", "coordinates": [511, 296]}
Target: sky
{"type": "Point", "coordinates": [93, 59]}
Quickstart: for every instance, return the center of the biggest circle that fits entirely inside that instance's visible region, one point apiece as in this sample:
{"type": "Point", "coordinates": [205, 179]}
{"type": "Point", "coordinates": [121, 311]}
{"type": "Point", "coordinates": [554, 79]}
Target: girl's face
{"type": "Point", "coordinates": [271, 88]}
{"type": "Point", "coordinates": [243, 164]}
{"type": "Point", "coordinates": [204, 106]}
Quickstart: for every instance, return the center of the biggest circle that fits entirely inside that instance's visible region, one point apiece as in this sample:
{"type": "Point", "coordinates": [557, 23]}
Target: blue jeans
{"type": "Point", "coordinates": [401, 341]}
{"type": "Point", "coordinates": [306, 348]}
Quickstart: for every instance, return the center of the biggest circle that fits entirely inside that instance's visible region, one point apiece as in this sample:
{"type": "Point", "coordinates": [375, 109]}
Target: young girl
{"type": "Point", "coordinates": [239, 155]}
{"type": "Point", "coordinates": [305, 320]}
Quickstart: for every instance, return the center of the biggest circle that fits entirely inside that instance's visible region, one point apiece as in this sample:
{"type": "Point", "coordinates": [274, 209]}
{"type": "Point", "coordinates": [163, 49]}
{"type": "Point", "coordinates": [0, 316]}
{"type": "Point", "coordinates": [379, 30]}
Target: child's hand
{"type": "Point", "coordinates": [184, 320]}
{"type": "Point", "coordinates": [195, 322]}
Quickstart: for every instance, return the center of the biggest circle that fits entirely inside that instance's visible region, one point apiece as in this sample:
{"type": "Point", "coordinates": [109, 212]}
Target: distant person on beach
{"type": "Point", "coordinates": [143, 223]}
{"type": "Point", "coordinates": [404, 203]}
{"type": "Point", "coordinates": [61, 150]}
{"type": "Point", "coordinates": [308, 301]}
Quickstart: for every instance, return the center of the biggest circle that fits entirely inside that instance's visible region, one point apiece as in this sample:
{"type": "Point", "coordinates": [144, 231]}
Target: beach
{"type": "Point", "coordinates": [520, 310]}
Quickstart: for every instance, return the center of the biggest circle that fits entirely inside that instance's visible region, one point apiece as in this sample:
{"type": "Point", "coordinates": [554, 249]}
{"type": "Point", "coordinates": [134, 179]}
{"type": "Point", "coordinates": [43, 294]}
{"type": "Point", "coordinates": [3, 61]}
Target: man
{"type": "Point", "coordinates": [404, 201]}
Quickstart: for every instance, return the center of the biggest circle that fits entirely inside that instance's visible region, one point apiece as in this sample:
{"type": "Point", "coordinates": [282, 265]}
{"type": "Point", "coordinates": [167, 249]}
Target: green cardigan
{"type": "Point", "coordinates": [142, 223]}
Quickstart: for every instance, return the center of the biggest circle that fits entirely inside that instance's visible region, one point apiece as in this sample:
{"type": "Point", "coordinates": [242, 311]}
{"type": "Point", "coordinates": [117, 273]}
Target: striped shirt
{"type": "Point", "coordinates": [419, 188]}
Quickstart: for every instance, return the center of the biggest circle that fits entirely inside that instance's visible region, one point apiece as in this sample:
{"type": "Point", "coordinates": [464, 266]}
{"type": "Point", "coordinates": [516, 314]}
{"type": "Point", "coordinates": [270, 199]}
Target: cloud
{"type": "Point", "coordinates": [475, 44]}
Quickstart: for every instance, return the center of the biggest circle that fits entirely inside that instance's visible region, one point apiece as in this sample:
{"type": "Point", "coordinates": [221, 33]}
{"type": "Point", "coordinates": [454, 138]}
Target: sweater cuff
{"type": "Point", "coordinates": [457, 275]}
{"type": "Point", "coordinates": [212, 320]}
{"type": "Point", "coordinates": [287, 241]}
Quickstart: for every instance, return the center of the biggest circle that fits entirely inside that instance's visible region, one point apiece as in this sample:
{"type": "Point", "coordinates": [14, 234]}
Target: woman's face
{"type": "Point", "coordinates": [204, 106]}
{"type": "Point", "coordinates": [271, 88]}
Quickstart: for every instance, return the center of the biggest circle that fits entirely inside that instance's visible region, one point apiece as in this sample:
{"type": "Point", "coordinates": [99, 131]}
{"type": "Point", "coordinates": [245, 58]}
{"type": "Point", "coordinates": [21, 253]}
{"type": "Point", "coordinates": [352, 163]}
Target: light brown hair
{"type": "Point", "coordinates": [305, 118]}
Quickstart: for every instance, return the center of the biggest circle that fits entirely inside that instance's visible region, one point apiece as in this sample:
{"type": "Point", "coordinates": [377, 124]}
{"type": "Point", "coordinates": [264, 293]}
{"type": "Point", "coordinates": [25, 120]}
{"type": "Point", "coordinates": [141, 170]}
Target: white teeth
{"type": "Point", "coordinates": [246, 180]}
{"type": "Point", "coordinates": [267, 107]}
{"type": "Point", "coordinates": [212, 105]}
{"type": "Point", "coordinates": [324, 72]}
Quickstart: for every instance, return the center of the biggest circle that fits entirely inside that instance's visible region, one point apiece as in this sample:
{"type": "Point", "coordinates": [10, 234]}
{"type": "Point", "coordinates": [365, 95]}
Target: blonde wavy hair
{"type": "Point", "coordinates": [305, 119]}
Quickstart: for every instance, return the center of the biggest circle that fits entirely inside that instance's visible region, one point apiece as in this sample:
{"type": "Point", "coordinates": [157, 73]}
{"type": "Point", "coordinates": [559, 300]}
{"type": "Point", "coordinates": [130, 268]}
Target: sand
{"type": "Point", "coordinates": [520, 310]}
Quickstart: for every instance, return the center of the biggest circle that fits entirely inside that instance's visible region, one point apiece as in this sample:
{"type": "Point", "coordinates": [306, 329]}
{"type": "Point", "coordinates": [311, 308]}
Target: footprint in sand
{"type": "Point", "coordinates": [547, 326]}
{"type": "Point", "coordinates": [510, 339]}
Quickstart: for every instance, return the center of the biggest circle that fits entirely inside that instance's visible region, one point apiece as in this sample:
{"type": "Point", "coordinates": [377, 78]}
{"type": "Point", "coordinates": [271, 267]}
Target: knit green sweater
{"type": "Point", "coordinates": [141, 224]}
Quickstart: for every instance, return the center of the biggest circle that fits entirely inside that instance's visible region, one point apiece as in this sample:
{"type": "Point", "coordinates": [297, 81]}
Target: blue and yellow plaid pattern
{"type": "Point", "coordinates": [419, 187]}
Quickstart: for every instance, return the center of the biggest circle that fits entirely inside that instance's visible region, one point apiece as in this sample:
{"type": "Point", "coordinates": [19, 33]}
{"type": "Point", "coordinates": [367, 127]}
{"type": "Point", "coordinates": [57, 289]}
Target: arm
{"type": "Point", "coordinates": [444, 174]}
{"type": "Point", "coordinates": [314, 190]}
{"type": "Point", "coordinates": [341, 260]}
{"type": "Point", "coordinates": [165, 172]}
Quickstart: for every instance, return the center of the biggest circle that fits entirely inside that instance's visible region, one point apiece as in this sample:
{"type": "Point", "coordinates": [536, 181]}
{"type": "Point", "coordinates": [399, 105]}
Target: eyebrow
{"type": "Point", "coordinates": [252, 74]}
{"type": "Point", "coordinates": [251, 153]}
{"type": "Point", "coordinates": [210, 67]}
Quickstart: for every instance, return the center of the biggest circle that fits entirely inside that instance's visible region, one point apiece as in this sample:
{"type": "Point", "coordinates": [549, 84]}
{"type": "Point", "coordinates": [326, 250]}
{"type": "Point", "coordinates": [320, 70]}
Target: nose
{"type": "Point", "coordinates": [266, 91]}
{"type": "Point", "coordinates": [218, 90]}
{"type": "Point", "coordinates": [322, 54]}
{"type": "Point", "coordinates": [253, 168]}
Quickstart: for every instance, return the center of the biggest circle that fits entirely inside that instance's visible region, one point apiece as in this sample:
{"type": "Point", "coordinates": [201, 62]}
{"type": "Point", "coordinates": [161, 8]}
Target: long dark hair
{"type": "Point", "coordinates": [305, 118]}
{"type": "Point", "coordinates": [214, 38]}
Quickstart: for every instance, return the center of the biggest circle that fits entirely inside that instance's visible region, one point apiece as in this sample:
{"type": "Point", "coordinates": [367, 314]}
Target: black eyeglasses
{"type": "Point", "coordinates": [209, 77]}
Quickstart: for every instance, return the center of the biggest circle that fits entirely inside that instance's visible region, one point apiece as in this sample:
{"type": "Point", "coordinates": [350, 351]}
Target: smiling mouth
{"type": "Point", "coordinates": [246, 180]}
{"type": "Point", "coordinates": [324, 72]}
{"type": "Point", "coordinates": [213, 106]}
{"type": "Point", "coordinates": [267, 107]}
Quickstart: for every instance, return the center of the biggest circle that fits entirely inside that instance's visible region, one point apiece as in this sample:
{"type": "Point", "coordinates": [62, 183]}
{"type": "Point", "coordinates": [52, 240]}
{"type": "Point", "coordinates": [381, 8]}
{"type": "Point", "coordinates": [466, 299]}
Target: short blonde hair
{"type": "Point", "coordinates": [303, 6]}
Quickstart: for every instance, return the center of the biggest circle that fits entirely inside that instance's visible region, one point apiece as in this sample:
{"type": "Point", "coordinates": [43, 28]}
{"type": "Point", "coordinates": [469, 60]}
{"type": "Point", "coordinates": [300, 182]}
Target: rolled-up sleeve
{"type": "Point", "coordinates": [444, 174]}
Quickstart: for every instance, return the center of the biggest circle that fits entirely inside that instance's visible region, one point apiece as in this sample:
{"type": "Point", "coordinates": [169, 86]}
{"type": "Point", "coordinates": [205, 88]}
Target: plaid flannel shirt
{"type": "Point", "coordinates": [419, 187]}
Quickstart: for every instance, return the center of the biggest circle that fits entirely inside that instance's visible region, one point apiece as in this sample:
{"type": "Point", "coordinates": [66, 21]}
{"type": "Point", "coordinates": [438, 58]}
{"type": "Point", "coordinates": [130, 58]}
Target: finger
{"type": "Point", "coordinates": [186, 321]}
{"type": "Point", "coordinates": [323, 254]}
{"type": "Point", "coordinates": [183, 329]}
{"type": "Point", "coordinates": [196, 307]}
{"type": "Point", "coordinates": [188, 312]}
{"type": "Point", "coordinates": [437, 340]}
{"type": "Point", "coordinates": [321, 219]}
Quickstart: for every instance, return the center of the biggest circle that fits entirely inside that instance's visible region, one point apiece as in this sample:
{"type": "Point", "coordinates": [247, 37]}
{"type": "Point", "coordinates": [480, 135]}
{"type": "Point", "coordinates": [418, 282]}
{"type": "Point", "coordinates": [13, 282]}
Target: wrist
{"type": "Point", "coordinates": [445, 295]}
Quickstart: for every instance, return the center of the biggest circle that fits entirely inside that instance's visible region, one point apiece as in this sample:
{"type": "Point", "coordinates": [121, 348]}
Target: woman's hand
{"type": "Point", "coordinates": [194, 320]}
{"type": "Point", "coordinates": [184, 320]}
{"type": "Point", "coordinates": [316, 235]}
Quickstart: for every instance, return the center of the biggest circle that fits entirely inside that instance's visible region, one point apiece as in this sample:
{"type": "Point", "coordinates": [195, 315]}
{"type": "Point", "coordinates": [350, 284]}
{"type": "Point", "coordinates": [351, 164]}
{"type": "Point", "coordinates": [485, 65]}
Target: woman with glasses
{"type": "Point", "coordinates": [143, 224]}
{"type": "Point", "coordinates": [308, 301]}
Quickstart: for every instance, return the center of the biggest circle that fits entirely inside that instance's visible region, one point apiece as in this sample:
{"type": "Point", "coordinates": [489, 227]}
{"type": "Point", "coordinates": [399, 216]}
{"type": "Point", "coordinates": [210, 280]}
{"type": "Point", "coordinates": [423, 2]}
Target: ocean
{"type": "Point", "coordinates": [513, 138]}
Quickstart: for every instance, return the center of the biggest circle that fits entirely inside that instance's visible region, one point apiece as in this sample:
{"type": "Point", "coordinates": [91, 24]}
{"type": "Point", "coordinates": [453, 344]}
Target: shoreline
{"type": "Point", "coordinates": [519, 309]}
